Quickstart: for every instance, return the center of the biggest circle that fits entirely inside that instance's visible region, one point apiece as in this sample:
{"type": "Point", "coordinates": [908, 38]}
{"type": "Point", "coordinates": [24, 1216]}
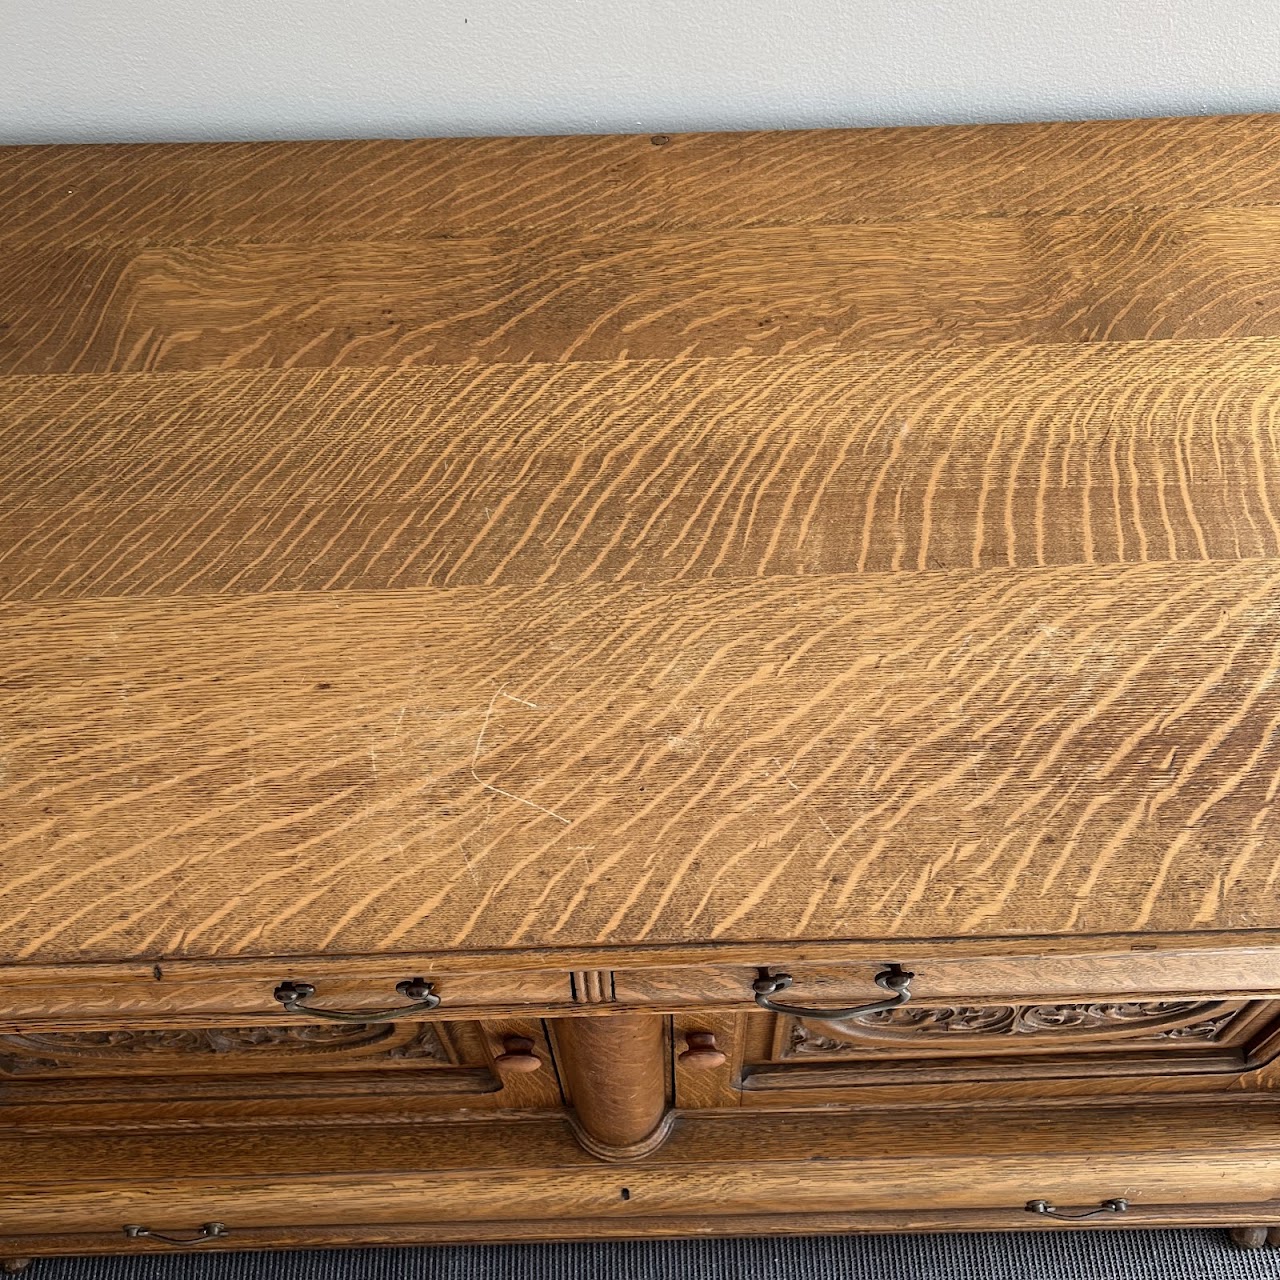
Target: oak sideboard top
{"type": "Point", "coordinates": [521, 543]}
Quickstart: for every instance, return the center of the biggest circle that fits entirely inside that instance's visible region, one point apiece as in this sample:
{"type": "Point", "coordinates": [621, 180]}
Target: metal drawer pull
{"type": "Point", "coordinates": [417, 989]}
{"type": "Point", "coordinates": [893, 978]}
{"type": "Point", "coordinates": [1046, 1210]}
{"type": "Point", "coordinates": [208, 1231]}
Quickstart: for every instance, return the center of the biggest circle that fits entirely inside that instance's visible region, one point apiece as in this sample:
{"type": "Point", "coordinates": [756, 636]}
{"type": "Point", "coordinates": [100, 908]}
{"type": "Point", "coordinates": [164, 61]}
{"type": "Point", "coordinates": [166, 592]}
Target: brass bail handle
{"type": "Point", "coordinates": [419, 990]}
{"type": "Point", "coordinates": [892, 978]}
{"type": "Point", "coordinates": [206, 1232]}
{"type": "Point", "coordinates": [1046, 1210]}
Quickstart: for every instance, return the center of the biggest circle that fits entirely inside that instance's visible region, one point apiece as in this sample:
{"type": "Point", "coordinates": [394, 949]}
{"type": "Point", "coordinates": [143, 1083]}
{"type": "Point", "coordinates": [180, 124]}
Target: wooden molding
{"type": "Point", "coordinates": [592, 986]}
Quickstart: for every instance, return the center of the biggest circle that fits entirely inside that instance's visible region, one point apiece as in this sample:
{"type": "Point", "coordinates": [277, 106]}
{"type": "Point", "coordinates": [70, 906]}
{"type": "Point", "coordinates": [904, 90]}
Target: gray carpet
{"type": "Point", "coordinates": [1118, 1255]}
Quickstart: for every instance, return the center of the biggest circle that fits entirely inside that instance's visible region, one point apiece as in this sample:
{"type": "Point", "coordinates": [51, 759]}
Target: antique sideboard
{"type": "Point", "coordinates": [666, 685]}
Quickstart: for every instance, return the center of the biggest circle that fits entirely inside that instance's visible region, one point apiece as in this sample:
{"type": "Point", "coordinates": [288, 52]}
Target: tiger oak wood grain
{"type": "Point", "coordinates": [266, 193]}
{"type": "Point", "coordinates": [1155, 1155]}
{"type": "Point", "coordinates": [285, 481]}
{"type": "Point", "coordinates": [817, 1187]}
{"type": "Point", "coordinates": [892, 755]}
{"type": "Point", "coordinates": [710, 1141]}
{"type": "Point", "coordinates": [1138, 975]}
{"type": "Point", "coordinates": [1131, 276]}
{"type": "Point", "coordinates": [796, 538]}
{"type": "Point", "coordinates": [579, 571]}
{"type": "Point", "coordinates": [702, 1226]}
{"type": "Point", "coordinates": [207, 993]}
{"type": "Point", "coordinates": [423, 252]}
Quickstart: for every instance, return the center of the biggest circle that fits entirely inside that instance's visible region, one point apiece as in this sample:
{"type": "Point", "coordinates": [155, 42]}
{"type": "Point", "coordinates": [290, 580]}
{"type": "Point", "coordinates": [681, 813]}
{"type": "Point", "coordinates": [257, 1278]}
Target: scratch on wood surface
{"type": "Point", "coordinates": [475, 756]}
{"type": "Point", "coordinates": [808, 804]}
{"type": "Point", "coordinates": [466, 861]}
{"type": "Point", "coordinates": [511, 697]}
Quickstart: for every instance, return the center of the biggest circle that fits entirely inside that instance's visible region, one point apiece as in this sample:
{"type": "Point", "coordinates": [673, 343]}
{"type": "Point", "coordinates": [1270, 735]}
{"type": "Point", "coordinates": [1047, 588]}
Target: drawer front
{"type": "Point", "coordinates": [295, 1235]}
{"type": "Point", "coordinates": [714, 1167]}
{"type": "Point", "coordinates": [696, 1198]}
{"type": "Point", "coordinates": [271, 1072]}
{"type": "Point", "coordinates": [170, 997]}
{"type": "Point", "coordinates": [993, 1051]}
{"type": "Point", "coordinates": [1133, 975]}
{"type": "Point", "coordinates": [184, 994]}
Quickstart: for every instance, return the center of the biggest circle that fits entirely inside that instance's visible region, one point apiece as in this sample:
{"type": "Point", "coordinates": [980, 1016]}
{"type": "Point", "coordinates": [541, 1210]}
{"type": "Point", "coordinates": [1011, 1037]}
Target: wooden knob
{"type": "Point", "coordinates": [517, 1055]}
{"type": "Point", "coordinates": [701, 1053]}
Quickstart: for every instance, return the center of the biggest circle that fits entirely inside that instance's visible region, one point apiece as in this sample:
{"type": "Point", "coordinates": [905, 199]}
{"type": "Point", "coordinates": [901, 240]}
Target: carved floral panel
{"type": "Point", "coordinates": [265, 1048]}
{"type": "Point", "coordinates": [989, 1026]}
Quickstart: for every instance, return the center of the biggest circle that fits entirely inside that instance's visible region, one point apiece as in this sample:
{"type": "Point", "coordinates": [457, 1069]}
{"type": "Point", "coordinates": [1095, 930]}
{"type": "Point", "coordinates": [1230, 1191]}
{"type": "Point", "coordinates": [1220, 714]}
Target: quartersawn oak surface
{"type": "Point", "coordinates": [535, 542]}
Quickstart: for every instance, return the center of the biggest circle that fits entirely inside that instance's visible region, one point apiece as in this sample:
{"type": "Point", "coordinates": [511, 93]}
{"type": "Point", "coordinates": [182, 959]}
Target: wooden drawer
{"type": "Point", "coordinates": [185, 995]}
{"type": "Point", "coordinates": [1249, 1215]}
{"type": "Point", "coordinates": [194, 994]}
{"type": "Point", "coordinates": [270, 1072]}
{"type": "Point", "coordinates": [715, 1168]}
{"type": "Point", "coordinates": [988, 1053]}
{"type": "Point", "coordinates": [1138, 974]}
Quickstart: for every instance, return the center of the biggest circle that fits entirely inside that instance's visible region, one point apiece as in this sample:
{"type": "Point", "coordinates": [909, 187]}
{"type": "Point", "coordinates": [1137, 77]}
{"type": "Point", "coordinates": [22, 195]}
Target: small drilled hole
{"type": "Point", "coordinates": [626, 1193]}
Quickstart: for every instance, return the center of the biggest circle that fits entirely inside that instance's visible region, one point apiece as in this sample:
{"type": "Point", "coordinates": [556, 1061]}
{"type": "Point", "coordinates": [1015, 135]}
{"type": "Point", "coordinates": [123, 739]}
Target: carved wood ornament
{"type": "Point", "coordinates": [1185, 1020]}
{"type": "Point", "coordinates": [235, 1048]}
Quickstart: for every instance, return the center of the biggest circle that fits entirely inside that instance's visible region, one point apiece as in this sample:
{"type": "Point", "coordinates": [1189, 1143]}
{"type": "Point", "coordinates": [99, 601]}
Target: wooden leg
{"type": "Point", "coordinates": [615, 1071]}
{"type": "Point", "coordinates": [11, 1266]}
{"type": "Point", "coordinates": [1249, 1237]}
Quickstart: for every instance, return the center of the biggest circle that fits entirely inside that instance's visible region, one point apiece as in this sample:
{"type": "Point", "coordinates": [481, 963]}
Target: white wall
{"type": "Point", "coordinates": [158, 69]}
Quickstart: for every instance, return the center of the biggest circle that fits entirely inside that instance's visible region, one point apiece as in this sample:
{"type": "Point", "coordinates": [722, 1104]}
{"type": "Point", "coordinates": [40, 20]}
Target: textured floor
{"type": "Point", "coordinates": [1136, 1255]}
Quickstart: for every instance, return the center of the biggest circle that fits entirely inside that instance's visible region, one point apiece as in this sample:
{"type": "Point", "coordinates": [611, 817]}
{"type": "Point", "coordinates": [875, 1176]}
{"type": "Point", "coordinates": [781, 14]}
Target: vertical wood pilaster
{"type": "Point", "coordinates": [615, 1071]}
